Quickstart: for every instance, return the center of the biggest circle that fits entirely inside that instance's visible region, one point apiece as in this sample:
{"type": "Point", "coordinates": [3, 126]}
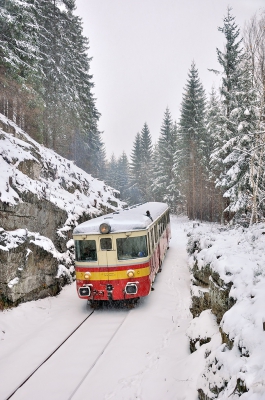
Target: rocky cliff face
{"type": "Point", "coordinates": [42, 198]}
{"type": "Point", "coordinates": [228, 281]}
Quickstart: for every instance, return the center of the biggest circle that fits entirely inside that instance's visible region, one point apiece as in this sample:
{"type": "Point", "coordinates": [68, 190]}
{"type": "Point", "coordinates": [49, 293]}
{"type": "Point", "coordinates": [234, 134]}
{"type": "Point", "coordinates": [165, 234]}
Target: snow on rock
{"type": "Point", "coordinates": [43, 196]}
{"type": "Point", "coordinates": [202, 329]}
{"type": "Point", "coordinates": [13, 282]}
{"type": "Point", "coordinates": [233, 261]}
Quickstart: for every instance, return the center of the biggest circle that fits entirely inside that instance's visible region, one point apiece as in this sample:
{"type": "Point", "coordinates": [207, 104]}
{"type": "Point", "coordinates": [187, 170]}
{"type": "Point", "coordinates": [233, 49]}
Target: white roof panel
{"type": "Point", "coordinates": [130, 219]}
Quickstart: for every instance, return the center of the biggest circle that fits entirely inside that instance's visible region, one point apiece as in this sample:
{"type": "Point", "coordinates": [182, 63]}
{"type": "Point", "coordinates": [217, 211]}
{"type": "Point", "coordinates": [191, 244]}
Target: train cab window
{"type": "Point", "coordinates": [131, 247]}
{"type": "Point", "coordinates": [85, 250]}
{"type": "Point", "coordinates": [106, 244]}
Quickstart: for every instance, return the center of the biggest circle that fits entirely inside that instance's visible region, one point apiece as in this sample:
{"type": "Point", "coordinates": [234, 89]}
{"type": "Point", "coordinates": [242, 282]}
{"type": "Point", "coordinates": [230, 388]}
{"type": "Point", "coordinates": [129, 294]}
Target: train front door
{"type": "Point", "coordinates": [107, 259]}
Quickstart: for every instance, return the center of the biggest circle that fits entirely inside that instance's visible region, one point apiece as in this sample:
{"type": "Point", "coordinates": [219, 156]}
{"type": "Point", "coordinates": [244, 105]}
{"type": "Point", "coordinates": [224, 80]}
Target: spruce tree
{"type": "Point", "coordinates": [146, 158]}
{"type": "Point", "coordinates": [136, 196]}
{"type": "Point", "coordinates": [230, 59]}
{"type": "Point", "coordinates": [163, 185]}
{"type": "Point", "coordinates": [20, 72]}
{"type": "Point", "coordinates": [243, 157]}
{"type": "Point", "coordinates": [45, 81]}
{"type": "Point", "coordinates": [123, 176]}
{"type": "Point", "coordinates": [238, 123]}
{"type": "Point", "coordinates": [214, 164]}
{"type": "Point", "coordinates": [112, 172]}
{"type": "Point", "coordinates": [192, 157]}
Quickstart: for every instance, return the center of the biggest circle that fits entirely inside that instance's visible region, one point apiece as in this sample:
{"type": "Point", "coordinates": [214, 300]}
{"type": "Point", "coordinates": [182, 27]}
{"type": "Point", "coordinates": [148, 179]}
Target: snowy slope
{"type": "Point", "coordinates": [43, 196]}
{"type": "Point", "coordinates": [235, 367]}
{"type": "Point", "coordinates": [58, 179]}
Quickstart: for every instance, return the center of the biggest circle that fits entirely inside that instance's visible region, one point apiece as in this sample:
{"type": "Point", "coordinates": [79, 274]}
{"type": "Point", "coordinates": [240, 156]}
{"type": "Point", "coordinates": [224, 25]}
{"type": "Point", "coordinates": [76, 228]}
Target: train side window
{"type": "Point", "coordinates": [150, 241]}
{"type": "Point", "coordinates": [156, 233]}
{"type": "Point", "coordinates": [149, 244]}
{"type": "Point", "coordinates": [85, 250]}
{"type": "Point", "coordinates": [164, 222]}
{"type": "Point", "coordinates": [152, 238]}
{"type": "Point", "coordinates": [106, 244]}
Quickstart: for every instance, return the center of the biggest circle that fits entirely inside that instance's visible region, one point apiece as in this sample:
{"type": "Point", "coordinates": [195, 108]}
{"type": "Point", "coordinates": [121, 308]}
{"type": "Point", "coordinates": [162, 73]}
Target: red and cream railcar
{"type": "Point", "coordinates": [118, 255]}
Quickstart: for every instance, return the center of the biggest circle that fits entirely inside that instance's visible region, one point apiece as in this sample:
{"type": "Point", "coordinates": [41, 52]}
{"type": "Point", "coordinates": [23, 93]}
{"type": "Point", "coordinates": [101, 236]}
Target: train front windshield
{"type": "Point", "coordinates": [131, 247]}
{"type": "Point", "coordinates": [85, 250]}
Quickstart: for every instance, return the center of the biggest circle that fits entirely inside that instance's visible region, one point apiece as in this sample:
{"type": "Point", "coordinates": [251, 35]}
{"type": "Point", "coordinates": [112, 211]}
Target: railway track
{"type": "Point", "coordinates": [46, 359]}
{"type": "Point", "coordinates": [95, 362]}
{"type": "Point", "coordinates": [65, 354]}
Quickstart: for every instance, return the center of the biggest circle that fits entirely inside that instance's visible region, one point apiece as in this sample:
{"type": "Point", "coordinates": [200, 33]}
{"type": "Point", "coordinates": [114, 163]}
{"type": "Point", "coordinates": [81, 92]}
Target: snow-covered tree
{"type": "Point", "coordinates": [20, 71]}
{"type": "Point", "coordinates": [216, 202]}
{"type": "Point", "coordinates": [192, 157]}
{"type": "Point", "coordinates": [164, 179]}
{"type": "Point", "coordinates": [136, 171]}
{"type": "Point", "coordinates": [123, 168]}
{"type": "Point", "coordinates": [111, 177]}
{"type": "Point", "coordinates": [146, 158]}
{"type": "Point", "coordinates": [241, 153]}
{"type": "Point", "coordinates": [238, 153]}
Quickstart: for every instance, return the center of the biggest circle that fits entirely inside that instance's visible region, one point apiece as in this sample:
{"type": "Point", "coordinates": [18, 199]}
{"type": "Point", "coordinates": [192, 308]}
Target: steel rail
{"type": "Point", "coordinates": [98, 357]}
{"type": "Point", "coordinates": [46, 359]}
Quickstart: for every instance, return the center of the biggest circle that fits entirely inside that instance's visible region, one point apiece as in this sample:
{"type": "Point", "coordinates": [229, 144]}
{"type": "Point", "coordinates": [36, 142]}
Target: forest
{"type": "Point", "coordinates": [45, 84]}
{"type": "Point", "coordinates": [210, 164]}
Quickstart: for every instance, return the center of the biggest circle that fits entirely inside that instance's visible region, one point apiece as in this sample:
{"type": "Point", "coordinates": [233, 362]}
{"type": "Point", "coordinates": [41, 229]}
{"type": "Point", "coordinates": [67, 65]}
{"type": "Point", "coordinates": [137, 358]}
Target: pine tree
{"type": "Point", "coordinates": [164, 179]}
{"type": "Point", "coordinates": [45, 80]}
{"type": "Point", "coordinates": [174, 196]}
{"type": "Point", "coordinates": [144, 179]}
{"type": "Point", "coordinates": [112, 172]}
{"type": "Point", "coordinates": [229, 60]}
{"type": "Point", "coordinates": [193, 145]}
{"type": "Point", "coordinates": [123, 176]}
{"type": "Point", "coordinates": [214, 165]}
{"type": "Point", "coordinates": [20, 72]}
{"type": "Point", "coordinates": [243, 160]}
{"type": "Point", "coordinates": [238, 123]}
{"type": "Point", "coordinates": [136, 196]}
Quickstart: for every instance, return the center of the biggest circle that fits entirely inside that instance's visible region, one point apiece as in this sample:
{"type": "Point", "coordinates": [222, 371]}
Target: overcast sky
{"type": "Point", "coordinates": [142, 51]}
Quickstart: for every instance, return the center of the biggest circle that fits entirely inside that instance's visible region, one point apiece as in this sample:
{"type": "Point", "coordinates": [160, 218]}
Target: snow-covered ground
{"type": "Point", "coordinates": [116, 354]}
{"type": "Point", "coordinates": [143, 353]}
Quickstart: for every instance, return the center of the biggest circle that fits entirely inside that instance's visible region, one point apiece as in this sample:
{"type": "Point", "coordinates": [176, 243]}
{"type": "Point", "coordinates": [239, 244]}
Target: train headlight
{"type": "Point", "coordinates": [130, 273]}
{"type": "Point", "coordinates": [104, 228]}
{"type": "Point", "coordinates": [87, 275]}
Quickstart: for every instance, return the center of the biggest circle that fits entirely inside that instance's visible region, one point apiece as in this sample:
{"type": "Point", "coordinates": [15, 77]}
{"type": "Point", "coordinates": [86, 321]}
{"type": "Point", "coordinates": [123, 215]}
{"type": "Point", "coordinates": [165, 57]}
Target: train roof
{"type": "Point", "coordinates": [129, 219]}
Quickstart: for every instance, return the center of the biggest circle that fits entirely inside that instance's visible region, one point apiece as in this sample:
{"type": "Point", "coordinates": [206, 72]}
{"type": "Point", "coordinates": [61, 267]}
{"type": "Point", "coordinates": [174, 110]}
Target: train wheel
{"type": "Point", "coordinates": [160, 266]}
{"type": "Point", "coordinates": [96, 304]}
{"type": "Point", "coordinates": [131, 303]}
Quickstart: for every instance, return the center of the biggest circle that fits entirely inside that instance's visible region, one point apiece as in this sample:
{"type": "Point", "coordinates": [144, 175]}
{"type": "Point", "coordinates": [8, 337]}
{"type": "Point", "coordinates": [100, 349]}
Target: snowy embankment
{"type": "Point", "coordinates": [43, 196]}
{"type": "Point", "coordinates": [233, 261]}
